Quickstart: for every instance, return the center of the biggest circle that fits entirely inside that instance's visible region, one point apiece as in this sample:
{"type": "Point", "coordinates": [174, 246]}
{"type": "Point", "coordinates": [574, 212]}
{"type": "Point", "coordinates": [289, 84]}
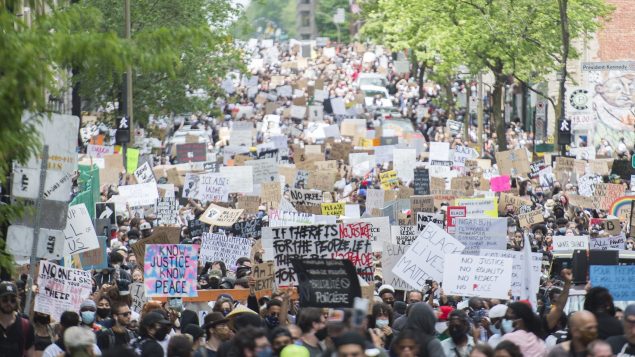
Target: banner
{"type": "Point", "coordinates": [326, 283]}
{"type": "Point", "coordinates": [170, 270]}
{"type": "Point", "coordinates": [619, 279]}
{"type": "Point", "coordinates": [424, 258]}
{"type": "Point", "coordinates": [61, 289]}
{"type": "Point", "coordinates": [481, 233]}
{"type": "Point", "coordinates": [219, 247]}
{"type": "Point", "coordinates": [486, 277]}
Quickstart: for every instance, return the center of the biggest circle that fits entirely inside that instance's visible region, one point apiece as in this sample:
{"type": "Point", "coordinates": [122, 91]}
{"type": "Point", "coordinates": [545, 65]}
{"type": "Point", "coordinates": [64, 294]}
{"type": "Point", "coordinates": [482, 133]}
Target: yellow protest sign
{"type": "Point", "coordinates": [333, 209]}
{"type": "Point", "coordinates": [132, 159]}
{"type": "Point", "coordinates": [389, 179]}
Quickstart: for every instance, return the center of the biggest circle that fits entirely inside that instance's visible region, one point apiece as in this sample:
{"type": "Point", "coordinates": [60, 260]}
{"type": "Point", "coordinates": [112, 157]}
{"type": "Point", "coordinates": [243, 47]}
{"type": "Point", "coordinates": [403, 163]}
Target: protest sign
{"type": "Point", "coordinates": [422, 204]}
{"type": "Point", "coordinates": [479, 207]}
{"type": "Point", "coordinates": [279, 218]}
{"type": "Point", "coordinates": [313, 241]}
{"type": "Point", "coordinates": [617, 242]}
{"type": "Point", "coordinates": [485, 277]}
{"type": "Point", "coordinates": [167, 211]}
{"type": "Point", "coordinates": [423, 218]}
{"type": "Point", "coordinates": [421, 181]}
{"type": "Point", "coordinates": [374, 199]}
{"type": "Point", "coordinates": [264, 170]}
{"type": "Point", "coordinates": [99, 151]}
{"type": "Point", "coordinates": [95, 258]}
{"type": "Point", "coordinates": [61, 289]}
{"type": "Point", "coordinates": [301, 179]}
{"type": "Point", "coordinates": [513, 162]}
{"type": "Point", "coordinates": [326, 283]}
{"type": "Point", "coordinates": [424, 258]}
{"type": "Point", "coordinates": [375, 229]}
{"type": "Point", "coordinates": [210, 187]}
{"type": "Point", "coordinates": [142, 194]}
{"type": "Point", "coordinates": [241, 178]}
{"type": "Point", "coordinates": [618, 279]}
{"type": "Point", "coordinates": [138, 293]}
{"type": "Point", "coordinates": [196, 227]}
{"type": "Point", "coordinates": [170, 270]}
{"type": "Point", "coordinates": [518, 204]}
{"type": "Point", "coordinates": [570, 243]}
{"type": "Point", "coordinates": [158, 237]}
{"type": "Point", "coordinates": [586, 184]}
{"type": "Point", "coordinates": [248, 229]}
{"type": "Point", "coordinates": [79, 232]}
{"type": "Point", "coordinates": [519, 278]}
{"type": "Point", "coordinates": [305, 197]}
{"type": "Point", "coordinates": [389, 179]}
{"type": "Point", "coordinates": [251, 204]}
{"type": "Point", "coordinates": [604, 227]}
{"type": "Point", "coordinates": [391, 253]}
{"type": "Point", "coordinates": [439, 151]}
{"type": "Point", "coordinates": [333, 209]}
{"type": "Point", "coordinates": [270, 193]}
{"type": "Point", "coordinates": [263, 273]}
{"type": "Point", "coordinates": [481, 233]}
{"type": "Point", "coordinates": [528, 219]}
{"type": "Point", "coordinates": [454, 212]}
{"type": "Point", "coordinates": [606, 193]}
{"type": "Point", "coordinates": [144, 174]}
{"type": "Point", "coordinates": [404, 161]}
{"type": "Point", "coordinates": [220, 216]}
{"type": "Point", "coordinates": [219, 247]}
{"type": "Point", "coordinates": [191, 152]}
{"type": "Point", "coordinates": [500, 184]}
{"type": "Point", "coordinates": [403, 235]}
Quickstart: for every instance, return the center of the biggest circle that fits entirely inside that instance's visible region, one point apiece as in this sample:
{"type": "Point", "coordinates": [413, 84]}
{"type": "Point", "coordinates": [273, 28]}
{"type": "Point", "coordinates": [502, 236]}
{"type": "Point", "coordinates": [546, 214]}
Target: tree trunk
{"type": "Point", "coordinates": [449, 98]}
{"type": "Point", "coordinates": [422, 72]}
{"type": "Point", "coordinates": [497, 112]}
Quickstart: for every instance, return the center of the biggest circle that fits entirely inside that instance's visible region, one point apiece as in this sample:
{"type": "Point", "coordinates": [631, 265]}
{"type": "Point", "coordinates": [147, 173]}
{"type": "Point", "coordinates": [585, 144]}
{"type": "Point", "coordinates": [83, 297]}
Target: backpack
{"type": "Point", "coordinates": [25, 330]}
{"type": "Point", "coordinates": [137, 344]}
{"type": "Point", "coordinates": [110, 334]}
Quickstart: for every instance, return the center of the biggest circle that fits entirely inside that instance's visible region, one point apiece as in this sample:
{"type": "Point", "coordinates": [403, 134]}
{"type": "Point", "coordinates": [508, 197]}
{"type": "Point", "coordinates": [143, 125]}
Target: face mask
{"type": "Point", "coordinates": [456, 333]}
{"type": "Point", "coordinates": [88, 317]}
{"type": "Point", "coordinates": [495, 330]}
{"type": "Point", "coordinates": [160, 334]}
{"type": "Point", "coordinates": [226, 311]}
{"type": "Point", "coordinates": [507, 326]}
{"type": "Point", "coordinates": [321, 334]}
{"type": "Point", "coordinates": [440, 327]}
{"type": "Point", "coordinates": [267, 352]}
{"type": "Point", "coordinates": [272, 321]}
{"type": "Point", "coordinates": [381, 323]}
{"type": "Point", "coordinates": [103, 312]}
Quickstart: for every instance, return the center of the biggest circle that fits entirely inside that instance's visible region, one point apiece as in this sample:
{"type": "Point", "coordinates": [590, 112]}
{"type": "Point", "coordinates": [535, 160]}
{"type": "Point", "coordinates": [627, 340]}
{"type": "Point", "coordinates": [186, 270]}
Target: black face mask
{"type": "Point", "coordinates": [457, 333]}
{"type": "Point", "coordinates": [321, 334]}
{"type": "Point", "coordinates": [103, 312]}
{"type": "Point", "coordinates": [42, 319]}
{"type": "Point", "coordinates": [161, 333]}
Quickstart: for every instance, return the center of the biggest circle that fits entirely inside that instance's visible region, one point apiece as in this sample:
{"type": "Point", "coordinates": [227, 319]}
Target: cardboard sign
{"type": "Point", "coordinates": [95, 258]}
{"type": "Point", "coordinates": [422, 204]}
{"type": "Point", "coordinates": [500, 184]}
{"type": "Point", "coordinates": [605, 227]}
{"type": "Point", "coordinates": [424, 258]}
{"type": "Point", "coordinates": [481, 233]}
{"type": "Point", "coordinates": [570, 243]}
{"type": "Point", "coordinates": [270, 193]}
{"type": "Point", "coordinates": [160, 237]}
{"type": "Point", "coordinates": [326, 283]}
{"type": "Point", "coordinates": [452, 213]}
{"type": "Point", "coordinates": [219, 247]}
{"type": "Point", "coordinates": [191, 152]}
{"type": "Point", "coordinates": [333, 209]}
{"type": "Point", "coordinates": [513, 162]}
{"type": "Point", "coordinates": [519, 277]}
{"type": "Point", "coordinates": [389, 180]}
{"type": "Point", "coordinates": [486, 277]}
{"type": "Point", "coordinates": [61, 289]}
{"type": "Point", "coordinates": [250, 204]}
{"type": "Point", "coordinates": [520, 205]}
{"type": "Point", "coordinates": [138, 293]}
{"type": "Point", "coordinates": [263, 273]}
{"type": "Point", "coordinates": [220, 216]}
{"type": "Point", "coordinates": [170, 270]}
{"type": "Point", "coordinates": [79, 232]}
{"type": "Point", "coordinates": [530, 218]}
{"type": "Point", "coordinates": [144, 174]}
{"type": "Point", "coordinates": [421, 181]}
{"type": "Point", "coordinates": [606, 193]}
{"type": "Point", "coordinates": [619, 279]}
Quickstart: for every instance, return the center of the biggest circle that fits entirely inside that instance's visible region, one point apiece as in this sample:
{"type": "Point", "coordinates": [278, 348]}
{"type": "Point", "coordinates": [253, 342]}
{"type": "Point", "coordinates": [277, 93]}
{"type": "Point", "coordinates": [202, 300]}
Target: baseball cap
{"type": "Point", "coordinates": [630, 310]}
{"type": "Point", "coordinates": [8, 288]}
{"type": "Point", "coordinates": [154, 318]}
{"type": "Point", "coordinates": [87, 304]}
{"type": "Point", "coordinates": [386, 287]}
{"type": "Point", "coordinates": [499, 311]}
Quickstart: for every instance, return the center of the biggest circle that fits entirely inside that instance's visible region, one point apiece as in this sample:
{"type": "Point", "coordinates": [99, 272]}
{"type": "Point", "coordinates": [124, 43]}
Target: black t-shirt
{"type": "Point", "coordinates": [151, 348]}
{"type": "Point", "coordinates": [617, 344]}
{"type": "Point", "coordinates": [14, 341]}
{"type": "Point", "coordinates": [104, 339]}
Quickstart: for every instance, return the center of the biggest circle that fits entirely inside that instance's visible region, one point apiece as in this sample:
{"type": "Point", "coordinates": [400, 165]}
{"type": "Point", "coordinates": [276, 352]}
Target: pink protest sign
{"type": "Point", "coordinates": [500, 184]}
{"type": "Point", "coordinates": [170, 270]}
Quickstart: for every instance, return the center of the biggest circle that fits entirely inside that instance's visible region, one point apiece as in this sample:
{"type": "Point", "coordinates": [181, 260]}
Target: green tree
{"type": "Point", "coordinates": [324, 20]}
{"type": "Point", "coordinates": [266, 16]}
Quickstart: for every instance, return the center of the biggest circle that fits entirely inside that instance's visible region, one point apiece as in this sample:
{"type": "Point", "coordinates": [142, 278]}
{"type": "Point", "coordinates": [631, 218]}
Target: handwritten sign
{"type": "Point", "coordinates": [424, 218]}
{"type": "Point", "coordinates": [263, 273]}
{"type": "Point", "coordinates": [333, 209]}
{"type": "Point", "coordinates": [487, 277]}
{"type": "Point", "coordinates": [421, 181]}
{"type": "Point", "coordinates": [167, 211]}
{"type": "Point", "coordinates": [518, 269]}
{"type": "Point", "coordinates": [220, 216]}
{"type": "Point", "coordinates": [240, 178]}
{"type": "Point", "coordinates": [453, 213]}
{"type": "Point", "coordinates": [424, 258]}
{"type": "Point", "coordinates": [530, 218]}
{"type": "Point", "coordinates": [219, 247]}
{"type": "Point", "coordinates": [389, 179]}
{"type": "Point", "coordinates": [170, 270]}
{"type": "Point", "coordinates": [305, 197]}
{"type": "Point", "coordinates": [99, 151]}
{"type": "Point", "coordinates": [500, 184]}
{"type": "Point", "coordinates": [248, 229]}
{"type": "Point", "coordinates": [619, 279]}
{"type": "Point", "coordinates": [142, 194]}
{"type": "Point", "coordinates": [95, 258]}
{"type": "Point", "coordinates": [79, 232]}
{"type": "Point", "coordinates": [144, 174]}
{"type": "Point", "coordinates": [481, 233]}
{"type": "Point", "coordinates": [570, 243]}
{"type": "Point", "coordinates": [264, 170]}
{"type": "Point", "coordinates": [326, 282]}
{"type": "Point", "coordinates": [138, 293]}
{"type": "Point", "coordinates": [61, 289]}
{"type": "Point", "coordinates": [617, 242]}
{"type": "Point", "coordinates": [376, 229]}
{"type": "Point", "coordinates": [403, 235]}
{"type": "Point", "coordinates": [479, 207]}
{"type": "Point", "coordinates": [279, 218]}
{"type": "Point", "coordinates": [391, 254]}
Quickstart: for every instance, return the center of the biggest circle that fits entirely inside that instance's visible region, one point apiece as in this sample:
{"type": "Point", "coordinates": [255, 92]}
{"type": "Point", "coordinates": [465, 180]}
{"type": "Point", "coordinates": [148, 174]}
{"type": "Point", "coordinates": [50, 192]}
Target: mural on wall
{"type": "Point", "coordinates": [613, 105]}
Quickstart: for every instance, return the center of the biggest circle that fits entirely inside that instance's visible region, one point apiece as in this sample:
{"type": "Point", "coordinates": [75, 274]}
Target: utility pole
{"type": "Point", "coordinates": [479, 113]}
{"type": "Point", "coordinates": [128, 86]}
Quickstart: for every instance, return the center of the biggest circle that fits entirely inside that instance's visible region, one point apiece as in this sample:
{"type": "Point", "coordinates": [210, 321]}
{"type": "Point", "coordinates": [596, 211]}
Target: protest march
{"type": "Point", "coordinates": [308, 217]}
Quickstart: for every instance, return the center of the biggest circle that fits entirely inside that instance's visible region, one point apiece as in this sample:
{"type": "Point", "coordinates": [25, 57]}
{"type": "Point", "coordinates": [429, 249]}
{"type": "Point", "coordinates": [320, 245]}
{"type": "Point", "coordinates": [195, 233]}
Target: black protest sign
{"type": "Point", "coordinates": [248, 229]}
{"type": "Point", "coordinates": [623, 169]}
{"type": "Point", "coordinates": [327, 283]}
{"type": "Point", "coordinates": [422, 181]}
{"type": "Point", "coordinates": [197, 228]}
{"type": "Point", "coordinates": [191, 152]}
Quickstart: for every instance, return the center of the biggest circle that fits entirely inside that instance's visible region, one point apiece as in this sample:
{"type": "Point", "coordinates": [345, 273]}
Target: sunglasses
{"type": "Point", "coordinates": [12, 299]}
{"type": "Point", "coordinates": [125, 314]}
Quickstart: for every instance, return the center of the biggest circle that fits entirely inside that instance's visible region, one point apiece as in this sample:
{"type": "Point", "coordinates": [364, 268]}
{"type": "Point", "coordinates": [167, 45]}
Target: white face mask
{"type": "Point", "coordinates": [381, 323]}
{"type": "Point", "coordinates": [440, 327]}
